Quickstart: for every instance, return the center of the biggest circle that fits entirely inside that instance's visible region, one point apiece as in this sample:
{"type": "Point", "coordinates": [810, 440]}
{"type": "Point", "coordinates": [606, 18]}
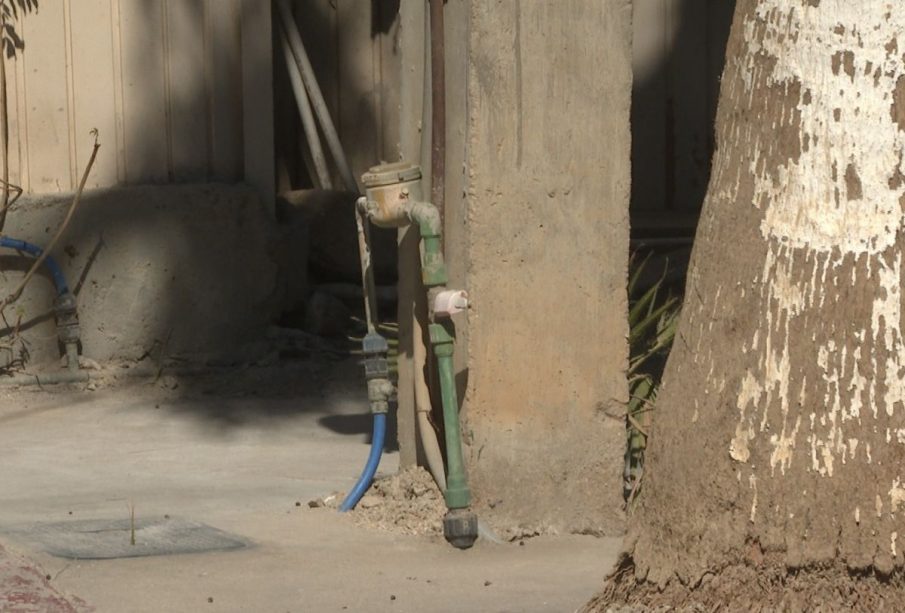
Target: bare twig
{"type": "Point", "coordinates": [49, 247]}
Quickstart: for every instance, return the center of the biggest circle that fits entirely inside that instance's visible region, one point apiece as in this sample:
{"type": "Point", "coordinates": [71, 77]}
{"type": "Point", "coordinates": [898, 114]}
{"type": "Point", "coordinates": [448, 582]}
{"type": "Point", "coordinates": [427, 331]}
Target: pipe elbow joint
{"type": "Point", "coordinates": [427, 216]}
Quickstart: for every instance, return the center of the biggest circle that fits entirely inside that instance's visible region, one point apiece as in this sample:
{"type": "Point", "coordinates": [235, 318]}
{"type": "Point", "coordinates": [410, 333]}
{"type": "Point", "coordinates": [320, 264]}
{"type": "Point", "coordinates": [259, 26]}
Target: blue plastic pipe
{"type": "Point", "coordinates": [52, 267]}
{"type": "Point", "coordinates": [367, 475]}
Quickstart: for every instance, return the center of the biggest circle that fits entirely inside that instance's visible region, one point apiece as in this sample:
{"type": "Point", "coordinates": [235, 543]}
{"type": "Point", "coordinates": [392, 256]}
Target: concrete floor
{"type": "Point", "coordinates": [237, 452]}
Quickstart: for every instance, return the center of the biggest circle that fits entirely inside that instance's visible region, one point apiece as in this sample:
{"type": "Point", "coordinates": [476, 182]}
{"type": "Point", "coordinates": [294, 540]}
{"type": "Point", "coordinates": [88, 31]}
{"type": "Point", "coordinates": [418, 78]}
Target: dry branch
{"type": "Point", "coordinates": [49, 247]}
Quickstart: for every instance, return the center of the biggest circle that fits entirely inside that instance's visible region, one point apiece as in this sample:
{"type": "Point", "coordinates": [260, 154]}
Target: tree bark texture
{"type": "Point", "coordinates": [776, 469]}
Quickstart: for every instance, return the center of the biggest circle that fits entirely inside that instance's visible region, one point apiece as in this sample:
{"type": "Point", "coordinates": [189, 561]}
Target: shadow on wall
{"type": "Point", "coordinates": [678, 54]}
{"type": "Point", "coordinates": [193, 268]}
{"type": "Point", "coordinates": [188, 271]}
{"type": "Point", "coordinates": [182, 272]}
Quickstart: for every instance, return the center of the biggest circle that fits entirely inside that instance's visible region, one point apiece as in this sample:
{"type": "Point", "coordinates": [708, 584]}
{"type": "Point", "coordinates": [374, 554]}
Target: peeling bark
{"type": "Point", "coordinates": [779, 441]}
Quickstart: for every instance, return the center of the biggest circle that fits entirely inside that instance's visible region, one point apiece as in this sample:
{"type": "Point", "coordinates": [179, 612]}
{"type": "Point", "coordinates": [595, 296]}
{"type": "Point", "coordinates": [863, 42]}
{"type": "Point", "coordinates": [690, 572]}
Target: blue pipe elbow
{"type": "Point", "coordinates": [56, 273]}
{"type": "Point", "coordinates": [367, 475]}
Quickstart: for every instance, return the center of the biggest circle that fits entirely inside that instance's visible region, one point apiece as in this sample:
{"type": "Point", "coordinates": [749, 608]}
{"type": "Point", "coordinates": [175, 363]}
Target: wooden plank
{"type": "Point", "coordinates": [119, 117]}
{"type": "Point", "coordinates": [358, 117]}
{"type": "Point", "coordinates": [388, 83]}
{"type": "Point", "coordinates": [46, 99]}
{"type": "Point", "coordinates": [223, 42]}
{"type": "Point", "coordinates": [411, 49]}
{"type": "Point", "coordinates": [257, 98]}
{"type": "Point", "coordinates": [70, 91]}
{"type": "Point", "coordinates": [18, 131]}
{"type": "Point", "coordinates": [408, 287]}
{"type": "Point", "coordinates": [411, 85]}
{"type": "Point", "coordinates": [186, 90]}
{"type": "Point", "coordinates": [144, 91]}
{"type": "Point", "coordinates": [93, 89]}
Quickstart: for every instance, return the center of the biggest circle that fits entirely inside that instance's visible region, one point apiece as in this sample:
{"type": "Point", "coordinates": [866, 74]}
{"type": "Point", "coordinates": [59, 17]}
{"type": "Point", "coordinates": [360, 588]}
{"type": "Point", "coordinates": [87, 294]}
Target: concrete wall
{"type": "Point", "coordinates": [180, 91]}
{"type": "Point", "coordinates": [187, 272]}
{"type": "Point", "coordinates": [537, 231]}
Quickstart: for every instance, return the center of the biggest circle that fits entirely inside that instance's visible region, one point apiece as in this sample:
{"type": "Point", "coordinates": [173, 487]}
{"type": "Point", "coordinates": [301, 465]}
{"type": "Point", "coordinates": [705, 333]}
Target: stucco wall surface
{"type": "Point", "coordinates": [537, 229]}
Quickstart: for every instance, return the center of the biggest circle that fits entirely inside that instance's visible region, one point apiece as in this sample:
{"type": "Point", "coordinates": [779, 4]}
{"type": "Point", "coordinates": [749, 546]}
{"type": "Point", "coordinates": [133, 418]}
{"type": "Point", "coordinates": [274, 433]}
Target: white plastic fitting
{"type": "Point", "coordinates": [450, 301]}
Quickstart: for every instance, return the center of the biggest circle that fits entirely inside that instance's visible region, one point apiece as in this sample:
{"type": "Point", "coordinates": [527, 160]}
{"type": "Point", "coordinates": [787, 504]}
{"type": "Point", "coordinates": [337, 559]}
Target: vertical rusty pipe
{"type": "Point", "coordinates": [438, 110]}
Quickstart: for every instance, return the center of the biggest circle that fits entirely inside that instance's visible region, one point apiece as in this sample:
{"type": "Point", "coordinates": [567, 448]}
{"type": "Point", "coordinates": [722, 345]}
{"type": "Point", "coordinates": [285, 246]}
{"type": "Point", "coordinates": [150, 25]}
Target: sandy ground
{"type": "Point", "coordinates": [245, 452]}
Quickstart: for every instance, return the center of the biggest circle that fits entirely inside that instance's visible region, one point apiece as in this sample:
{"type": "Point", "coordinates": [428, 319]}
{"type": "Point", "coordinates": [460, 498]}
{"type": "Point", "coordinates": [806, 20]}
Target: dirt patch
{"type": "Point", "coordinates": [769, 586]}
{"type": "Point", "coordinates": [406, 503]}
{"type": "Point", "coordinates": [24, 588]}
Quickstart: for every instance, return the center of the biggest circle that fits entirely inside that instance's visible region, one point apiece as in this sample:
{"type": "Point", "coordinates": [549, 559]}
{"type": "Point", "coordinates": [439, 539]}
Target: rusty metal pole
{"type": "Point", "coordinates": [438, 104]}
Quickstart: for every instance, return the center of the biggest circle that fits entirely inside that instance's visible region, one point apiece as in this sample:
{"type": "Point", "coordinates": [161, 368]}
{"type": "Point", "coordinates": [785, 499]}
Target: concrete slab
{"type": "Point", "coordinates": [104, 539]}
{"type": "Point", "coordinates": [238, 453]}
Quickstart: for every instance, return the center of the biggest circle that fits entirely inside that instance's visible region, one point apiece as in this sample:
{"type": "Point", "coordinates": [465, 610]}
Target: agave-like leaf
{"type": "Point", "coordinates": [641, 327]}
{"type": "Point", "coordinates": [633, 280]}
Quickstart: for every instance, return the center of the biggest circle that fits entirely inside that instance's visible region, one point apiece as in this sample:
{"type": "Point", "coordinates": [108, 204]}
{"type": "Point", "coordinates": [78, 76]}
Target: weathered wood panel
{"type": "Point", "coordinates": [257, 94]}
{"type": "Point", "coordinates": [222, 43]}
{"type": "Point", "coordinates": [144, 90]}
{"type": "Point", "coordinates": [188, 90]}
{"type": "Point", "coordinates": [180, 91]}
{"type": "Point", "coordinates": [46, 99]}
{"type": "Point", "coordinates": [92, 84]}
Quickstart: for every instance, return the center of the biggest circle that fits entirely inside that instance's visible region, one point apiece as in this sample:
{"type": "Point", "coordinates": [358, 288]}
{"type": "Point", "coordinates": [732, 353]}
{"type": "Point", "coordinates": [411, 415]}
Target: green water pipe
{"type": "Point", "coordinates": [442, 336]}
{"type": "Point", "coordinates": [394, 200]}
{"type": "Point", "coordinates": [458, 496]}
{"type": "Point", "coordinates": [427, 218]}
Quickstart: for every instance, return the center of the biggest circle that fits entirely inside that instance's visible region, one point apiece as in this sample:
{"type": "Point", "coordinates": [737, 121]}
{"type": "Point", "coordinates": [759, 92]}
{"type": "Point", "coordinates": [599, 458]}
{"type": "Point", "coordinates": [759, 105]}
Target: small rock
{"type": "Point", "coordinates": [418, 490]}
{"type": "Point", "coordinates": [210, 599]}
{"type": "Point", "coordinates": [91, 386]}
{"type": "Point", "coordinates": [392, 596]}
{"type": "Point", "coordinates": [316, 503]}
{"type": "Point", "coordinates": [88, 363]}
{"type": "Point", "coordinates": [369, 502]}
{"type": "Point", "coordinates": [487, 583]}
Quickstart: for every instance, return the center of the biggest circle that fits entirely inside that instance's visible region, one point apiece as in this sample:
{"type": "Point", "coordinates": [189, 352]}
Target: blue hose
{"type": "Point", "coordinates": [56, 273]}
{"type": "Point", "coordinates": [367, 475]}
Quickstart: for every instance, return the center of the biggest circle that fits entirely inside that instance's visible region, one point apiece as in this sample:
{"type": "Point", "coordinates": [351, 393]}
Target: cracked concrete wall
{"type": "Point", "coordinates": [537, 193]}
